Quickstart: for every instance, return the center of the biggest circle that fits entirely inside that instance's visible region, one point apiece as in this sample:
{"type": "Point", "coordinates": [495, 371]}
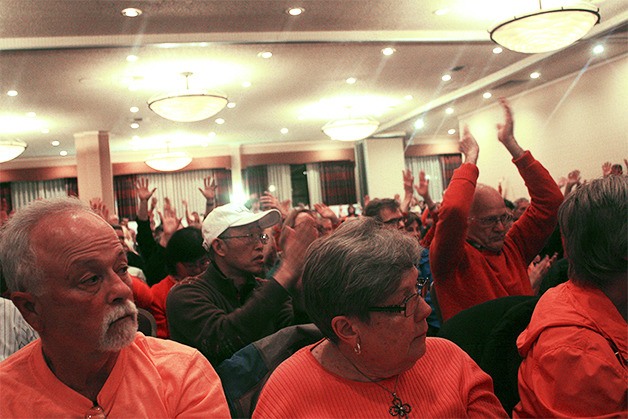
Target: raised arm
{"type": "Point", "coordinates": [423, 189]}
{"type": "Point", "coordinates": [209, 192]}
{"type": "Point", "coordinates": [144, 194]}
{"type": "Point", "coordinates": [408, 192]}
{"type": "Point", "coordinates": [505, 131]}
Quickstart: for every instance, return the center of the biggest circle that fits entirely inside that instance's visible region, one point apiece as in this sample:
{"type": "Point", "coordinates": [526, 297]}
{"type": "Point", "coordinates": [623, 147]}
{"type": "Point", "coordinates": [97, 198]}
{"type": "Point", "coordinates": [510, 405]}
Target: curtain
{"type": "Point", "coordinates": [183, 186]}
{"type": "Point", "coordinates": [5, 195]}
{"type": "Point", "coordinates": [24, 192]}
{"type": "Point", "coordinates": [256, 179]}
{"type": "Point", "coordinates": [125, 195]}
{"type": "Point", "coordinates": [449, 163]}
{"type": "Point", "coordinates": [337, 182]}
{"type": "Point", "coordinates": [279, 176]}
{"type": "Point", "coordinates": [431, 166]}
{"type": "Point", "coordinates": [314, 183]}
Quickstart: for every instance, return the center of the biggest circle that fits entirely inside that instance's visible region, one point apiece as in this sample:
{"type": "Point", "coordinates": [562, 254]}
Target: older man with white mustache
{"type": "Point", "coordinates": [67, 274]}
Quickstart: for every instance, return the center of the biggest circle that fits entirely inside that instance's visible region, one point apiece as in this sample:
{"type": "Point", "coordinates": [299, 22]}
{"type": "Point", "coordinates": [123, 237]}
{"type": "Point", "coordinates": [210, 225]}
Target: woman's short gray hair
{"type": "Point", "coordinates": [17, 259]}
{"type": "Point", "coordinates": [592, 221]}
{"type": "Point", "coordinates": [360, 265]}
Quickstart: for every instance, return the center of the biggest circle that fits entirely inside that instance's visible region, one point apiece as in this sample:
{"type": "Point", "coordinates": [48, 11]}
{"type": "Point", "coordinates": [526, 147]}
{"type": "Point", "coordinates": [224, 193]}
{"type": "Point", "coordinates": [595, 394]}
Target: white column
{"type": "Point", "coordinates": [93, 167]}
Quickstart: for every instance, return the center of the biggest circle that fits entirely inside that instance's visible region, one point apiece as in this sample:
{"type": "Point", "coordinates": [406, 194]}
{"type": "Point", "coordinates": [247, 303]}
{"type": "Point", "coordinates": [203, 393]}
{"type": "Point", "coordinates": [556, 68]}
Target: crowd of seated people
{"type": "Point", "coordinates": [378, 282]}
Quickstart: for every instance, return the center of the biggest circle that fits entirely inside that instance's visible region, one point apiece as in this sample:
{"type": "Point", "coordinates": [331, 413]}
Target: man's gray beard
{"type": "Point", "coordinates": [115, 337]}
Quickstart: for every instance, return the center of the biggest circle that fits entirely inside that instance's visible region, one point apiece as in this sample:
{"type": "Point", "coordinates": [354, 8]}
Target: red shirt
{"type": "Point", "coordinates": [158, 307]}
{"type": "Point", "coordinates": [464, 275]}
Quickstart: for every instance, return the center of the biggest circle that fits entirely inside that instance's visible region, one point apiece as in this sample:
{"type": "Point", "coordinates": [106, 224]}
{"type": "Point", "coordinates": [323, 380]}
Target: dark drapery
{"type": "Point", "coordinates": [5, 195]}
{"type": "Point", "coordinates": [337, 182]}
{"type": "Point", "coordinates": [256, 179]}
{"type": "Point", "coordinates": [126, 195]}
{"type": "Point", "coordinates": [223, 186]}
{"type": "Point", "coordinates": [449, 163]}
{"type": "Point", "coordinates": [71, 186]}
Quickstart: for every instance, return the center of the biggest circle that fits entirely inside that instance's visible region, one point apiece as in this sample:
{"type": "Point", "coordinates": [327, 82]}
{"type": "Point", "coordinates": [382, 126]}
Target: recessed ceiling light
{"type": "Point", "coordinates": [220, 121]}
{"type": "Point", "coordinates": [451, 131]}
{"type": "Point", "coordinates": [487, 95]}
{"type": "Point", "coordinates": [408, 97]}
{"type": "Point", "coordinates": [598, 49]}
{"type": "Point", "coordinates": [449, 111]}
{"type": "Point", "coordinates": [12, 93]}
{"type": "Point", "coordinates": [231, 105]}
{"type": "Point", "coordinates": [132, 58]}
{"type": "Point", "coordinates": [265, 54]}
{"type": "Point", "coordinates": [295, 11]}
{"type": "Point", "coordinates": [134, 109]}
{"type": "Point", "coordinates": [497, 50]}
{"type": "Point", "coordinates": [535, 75]}
{"type": "Point", "coordinates": [446, 77]}
{"type": "Point", "coordinates": [388, 51]}
{"type": "Point", "coordinates": [419, 124]}
{"type": "Point", "coordinates": [63, 153]}
{"type": "Point", "coordinates": [246, 84]}
{"type": "Point", "coordinates": [135, 125]}
{"type": "Point", "coordinates": [55, 143]}
{"type": "Point", "coordinates": [284, 131]}
{"type": "Point", "coordinates": [351, 80]}
{"type": "Point", "coordinates": [440, 12]}
{"type": "Point", "coordinates": [131, 12]}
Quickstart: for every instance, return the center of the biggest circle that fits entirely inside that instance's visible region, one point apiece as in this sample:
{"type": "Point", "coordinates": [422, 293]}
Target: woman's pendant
{"type": "Point", "coordinates": [399, 408]}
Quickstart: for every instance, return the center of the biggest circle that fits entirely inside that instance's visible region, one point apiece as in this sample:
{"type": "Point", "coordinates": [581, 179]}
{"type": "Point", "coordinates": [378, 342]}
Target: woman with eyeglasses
{"type": "Point", "coordinates": [361, 289]}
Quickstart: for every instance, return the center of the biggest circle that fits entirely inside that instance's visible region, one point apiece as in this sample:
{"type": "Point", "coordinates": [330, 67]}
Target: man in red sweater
{"type": "Point", "coordinates": [477, 254]}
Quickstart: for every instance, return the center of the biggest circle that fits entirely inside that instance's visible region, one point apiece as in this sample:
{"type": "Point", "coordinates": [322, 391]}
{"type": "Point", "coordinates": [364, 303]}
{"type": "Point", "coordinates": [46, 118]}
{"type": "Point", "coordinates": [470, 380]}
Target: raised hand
{"type": "Point", "coordinates": [538, 269]}
{"type": "Point", "coordinates": [209, 188]}
{"type": "Point", "coordinates": [606, 168]}
{"type": "Point", "coordinates": [468, 146]}
{"type": "Point", "coordinates": [143, 193]}
{"type": "Point", "coordinates": [99, 208]}
{"type": "Point", "coordinates": [326, 212]}
{"type": "Point", "coordinates": [505, 131]}
{"type": "Point", "coordinates": [408, 181]}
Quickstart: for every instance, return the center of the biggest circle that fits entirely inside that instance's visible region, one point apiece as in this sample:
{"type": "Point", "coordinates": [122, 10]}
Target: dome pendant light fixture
{"type": "Point", "coordinates": [188, 105]}
{"type": "Point", "coordinates": [10, 149]}
{"type": "Point", "coordinates": [546, 30]}
{"type": "Point", "coordinates": [352, 129]}
{"type": "Point", "coordinates": [168, 161]}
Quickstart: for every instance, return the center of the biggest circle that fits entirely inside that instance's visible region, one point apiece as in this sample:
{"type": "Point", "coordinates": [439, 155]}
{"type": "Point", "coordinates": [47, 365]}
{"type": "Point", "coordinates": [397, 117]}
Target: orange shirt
{"type": "Point", "coordinates": [575, 352]}
{"type": "Point", "coordinates": [151, 378]}
{"type": "Point", "coordinates": [443, 383]}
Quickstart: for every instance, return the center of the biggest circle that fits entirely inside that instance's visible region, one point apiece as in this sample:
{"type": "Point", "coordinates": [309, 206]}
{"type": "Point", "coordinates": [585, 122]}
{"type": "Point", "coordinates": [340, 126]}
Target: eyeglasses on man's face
{"type": "Point", "coordinates": [410, 303]}
{"type": "Point", "coordinates": [492, 221]}
{"type": "Point", "coordinates": [251, 237]}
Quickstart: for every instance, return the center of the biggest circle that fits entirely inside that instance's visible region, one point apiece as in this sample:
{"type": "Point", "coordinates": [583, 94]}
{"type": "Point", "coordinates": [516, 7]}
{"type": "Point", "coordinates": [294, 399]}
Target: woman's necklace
{"type": "Point", "coordinates": [398, 408]}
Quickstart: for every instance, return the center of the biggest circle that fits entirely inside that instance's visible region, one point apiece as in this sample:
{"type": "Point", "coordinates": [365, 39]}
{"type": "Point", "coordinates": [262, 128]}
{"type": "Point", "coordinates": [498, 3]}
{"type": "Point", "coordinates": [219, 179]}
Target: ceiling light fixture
{"type": "Point", "coordinates": [168, 161]}
{"type": "Point", "coordinates": [388, 51]}
{"type": "Point", "coordinates": [131, 12]}
{"type": "Point", "coordinates": [188, 105]}
{"type": "Point", "coordinates": [546, 30]}
{"type": "Point", "coordinates": [10, 149]}
{"type": "Point", "coordinates": [12, 93]}
{"type": "Point", "coordinates": [353, 129]}
{"type": "Point", "coordinates": [295, 11]}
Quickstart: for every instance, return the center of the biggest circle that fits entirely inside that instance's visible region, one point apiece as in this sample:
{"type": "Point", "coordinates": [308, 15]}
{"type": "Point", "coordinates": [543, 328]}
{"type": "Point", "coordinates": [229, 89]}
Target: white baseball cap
{"type": "Point", "coordinates": [234, 215]}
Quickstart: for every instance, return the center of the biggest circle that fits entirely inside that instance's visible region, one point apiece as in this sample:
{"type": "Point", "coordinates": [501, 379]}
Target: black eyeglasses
{"type": "Point", "coordinates": [491, 221]}
{"type": "Point", "coordinates": [251, 237]}
{"type": "Point", "coordinates": [410, 303]}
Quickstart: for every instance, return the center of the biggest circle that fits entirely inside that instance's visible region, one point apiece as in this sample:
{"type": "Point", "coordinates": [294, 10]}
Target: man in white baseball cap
{"type": "Point", "coordinates": [228, 306]}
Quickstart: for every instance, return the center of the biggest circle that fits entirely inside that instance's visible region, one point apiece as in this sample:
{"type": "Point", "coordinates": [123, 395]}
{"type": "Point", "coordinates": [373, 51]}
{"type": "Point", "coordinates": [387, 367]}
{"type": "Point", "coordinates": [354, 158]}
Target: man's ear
{"type": "Point", "coordinates": [29, 308]}
{"type": "Point", "coordinates": [220, 247]}
{"type": "Point", "coordinates": [347, 329]}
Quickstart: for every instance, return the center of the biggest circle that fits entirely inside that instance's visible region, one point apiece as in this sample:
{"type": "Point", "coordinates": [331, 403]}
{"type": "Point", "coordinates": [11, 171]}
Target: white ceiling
{"type": "Point", "coordinates": [67, 61]}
